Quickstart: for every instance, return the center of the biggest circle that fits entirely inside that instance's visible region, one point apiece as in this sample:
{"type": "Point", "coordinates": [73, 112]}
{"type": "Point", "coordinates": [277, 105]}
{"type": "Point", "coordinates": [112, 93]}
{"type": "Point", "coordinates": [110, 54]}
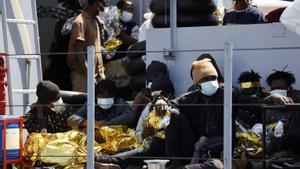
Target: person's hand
{"type": "Point", "coordinates": [142, 98]}
{"type": "Point", "coordinates": [148, 132]}
{"type": "Point", "coordinates": [161, 108]}
{"type": "Point", "coordinates": [278, 99]}
{"type": "Point", "coordinates": [99, 124]}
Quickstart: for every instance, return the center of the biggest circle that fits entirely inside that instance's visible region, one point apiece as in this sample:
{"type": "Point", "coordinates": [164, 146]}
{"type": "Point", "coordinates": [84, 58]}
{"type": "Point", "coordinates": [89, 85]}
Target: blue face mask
{"type": "Point", "coordinates": [209, 88]}
{"type": "Point", "coordinates": [126, 16]}
{"type": "Point", "coordinates": [105, 103]}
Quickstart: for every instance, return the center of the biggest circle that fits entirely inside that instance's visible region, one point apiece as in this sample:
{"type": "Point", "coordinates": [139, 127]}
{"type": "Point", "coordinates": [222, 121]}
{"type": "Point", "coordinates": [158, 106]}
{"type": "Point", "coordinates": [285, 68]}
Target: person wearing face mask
{"type": "Point", "coordinates": [157, 123]}
{"type": "Point", "coordinates": [155, 70]}
{"type": "Point", "coordinates": [110, 109]}
{"type": "Point", "coordinates": [243, 13]}
{"type": "Point", "coordinates": [160, 87]}
{"type": "Point", "coordinates": [130, 29]}
{"type": "Point", "coordinates": [85, 32]}
{"type": "Point", "coordinates": [250, 85]}
{"type": "Point", "coordinates": [48, 113]}
{"type": "Point", "coordinates": [281, 85]}
{"type": "Point", "coordinates": [203, 110]}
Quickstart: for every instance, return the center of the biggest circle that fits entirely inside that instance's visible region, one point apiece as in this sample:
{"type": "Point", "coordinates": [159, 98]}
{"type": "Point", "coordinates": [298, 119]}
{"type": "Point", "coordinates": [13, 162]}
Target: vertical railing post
{"type": "Point", "coordinates": [173, 24]}
{"type": "Point", "coordinates": [173, 30]}
{"type": "Point", "coordinates": [91, 107]}
{"type": "Point", "coordinates": [228, 107]}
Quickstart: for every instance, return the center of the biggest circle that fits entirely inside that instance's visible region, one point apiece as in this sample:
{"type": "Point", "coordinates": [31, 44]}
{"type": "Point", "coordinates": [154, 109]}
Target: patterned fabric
{"type": "Point", "coordinates": [51, 122]}
{"type": "Point", "coordinates": [57, 12]}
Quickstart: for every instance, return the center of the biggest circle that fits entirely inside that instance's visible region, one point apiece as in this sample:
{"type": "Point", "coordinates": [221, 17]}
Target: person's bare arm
{"type": "Point", "coordinates": [126, 39]}
{"type": "Point", "coordinates": [80, 56]}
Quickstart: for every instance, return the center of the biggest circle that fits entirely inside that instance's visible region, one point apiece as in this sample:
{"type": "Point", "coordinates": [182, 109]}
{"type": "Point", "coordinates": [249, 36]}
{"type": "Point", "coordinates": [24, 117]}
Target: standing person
{"type": "Point", "coordinates": [243, 13]}
{"type": "Point", "coordinates": [115, 69]}
{"type": "Point", "coordinates": [129, 29]}
{"type": "Point", "coordinates": [85, 32]}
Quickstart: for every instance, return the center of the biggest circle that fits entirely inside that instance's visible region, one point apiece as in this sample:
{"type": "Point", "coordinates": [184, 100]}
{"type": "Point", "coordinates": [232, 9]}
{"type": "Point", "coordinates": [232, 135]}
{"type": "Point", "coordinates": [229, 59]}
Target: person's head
{"type": "Point", "coordinates": [47, 92]}
{"type": "Point", "coordinates": [241, 4]}
{"type": "Point", "coordinates": [49, 95]}
{"type": "Point", "coordinates": [72, 5]}
{"type": "Point", "coordinates": [280, 82]}
{"type": "Point", "coordinates": [162, 87]}
{"type": "Point", "coordinates": [94, 7]}
{"type": "Point", "coordinates": [249, 82]}
{"type": "Point", "coordinates": [212, 59]}
{"type": "Point", "coordinates": [156, 70]}
{"type": "Point", "coordinates": [105, 93]}
{"type": "Point", "coordinates": [205, 76]}
{"type": "Point", "coordinates": [126, 7]}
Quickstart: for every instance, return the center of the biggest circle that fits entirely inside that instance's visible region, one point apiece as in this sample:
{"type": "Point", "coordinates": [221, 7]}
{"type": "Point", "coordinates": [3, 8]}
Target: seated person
{"type": "Point", "coordinates": [250, 86]}
{"type": "Point", "coordinates": [281, 84]}
{"type": "Point", "coordinates": [161, 87]}
{"type": "Point", "coordinates": [220, 77]}
{"type": "Point", "coordinates": [274, 16]}
{"type": "Point", "coordinates": [48, 113]}
{"type": "Point", "coordinates": [111, 110]}
{"type": "Point", "coordinates": [155, 70]}
{"type": "Point", "coordinates": [243, 13]}
{"type": "Point", "coordinates": [155, 121]}
{"type": "Point", "coordinates": [203, 119]}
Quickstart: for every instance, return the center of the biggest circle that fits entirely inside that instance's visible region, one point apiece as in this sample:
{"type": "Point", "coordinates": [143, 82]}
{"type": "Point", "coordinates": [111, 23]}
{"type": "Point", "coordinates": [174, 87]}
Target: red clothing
{"type": "Point", "coordinates": [275, 15]}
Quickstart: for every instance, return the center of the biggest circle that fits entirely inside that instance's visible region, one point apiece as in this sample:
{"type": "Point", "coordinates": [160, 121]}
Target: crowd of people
{"type": "Point", "coordinates": [185, 120]}
{"type": "Point", "coordinates": [183, 123]}
{"type": "Point", "coordinates": [89, 29]}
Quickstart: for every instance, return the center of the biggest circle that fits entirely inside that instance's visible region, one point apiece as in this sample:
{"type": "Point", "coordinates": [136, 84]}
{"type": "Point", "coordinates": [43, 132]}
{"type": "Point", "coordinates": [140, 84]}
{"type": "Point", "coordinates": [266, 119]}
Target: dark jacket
{"type": "Point", "coordinates": [294, 119]}
{"type": "Point", "coordinates": [119, 114]}
{"type": "Point", "coordinates": [52, 122]}
{"type": "Point", "coordinates": [206, 116]}
{"type": "Point", "coordinates": [292, 137]}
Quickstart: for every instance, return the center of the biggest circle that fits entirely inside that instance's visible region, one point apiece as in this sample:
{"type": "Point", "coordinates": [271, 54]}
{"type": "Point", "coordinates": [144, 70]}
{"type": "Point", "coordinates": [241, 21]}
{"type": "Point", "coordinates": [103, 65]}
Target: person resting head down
{"type": "Point", "coordinates": [109, 110]}
{"type": "Point", "coordinates": [48, 113]}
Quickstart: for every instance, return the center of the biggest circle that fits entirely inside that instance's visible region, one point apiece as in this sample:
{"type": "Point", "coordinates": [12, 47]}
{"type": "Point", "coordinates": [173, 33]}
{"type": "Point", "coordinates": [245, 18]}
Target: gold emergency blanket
{"type": "Point", "coordinates": [69, 149]}
{"type": "Point", "coordinates": [158, 123]}
{"type": "Point", "coordinates": [116, 138]}
{"type": "Point", "coordinates": [62, 149]}
{"type": "Point", "coordinates": [250, 143]}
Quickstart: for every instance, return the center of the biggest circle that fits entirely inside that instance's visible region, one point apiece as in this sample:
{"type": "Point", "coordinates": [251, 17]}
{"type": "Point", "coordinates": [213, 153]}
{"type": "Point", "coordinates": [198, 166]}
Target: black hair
{"type": "Point", "coordinates": [249, 76]}
{"type": "Point", "coordinates": [121, 3]}
{"type": "Point", "coordinates": [106, 85]}
{"type": "Point", "coordinates": [91, 2]}
{"type": "Point", "coordinates": [288, 77]}
{"type": "Point", "coordinates": [165, 85]}
{"type": "Point", "coordinates": [213, 61]}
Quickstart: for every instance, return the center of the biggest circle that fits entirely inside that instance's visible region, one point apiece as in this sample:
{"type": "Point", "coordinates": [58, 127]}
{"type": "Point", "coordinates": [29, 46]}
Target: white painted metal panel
{"type": "Point", "coordinates": [259, 39]}
{"type": "Point", "coordinates": [21, 40]}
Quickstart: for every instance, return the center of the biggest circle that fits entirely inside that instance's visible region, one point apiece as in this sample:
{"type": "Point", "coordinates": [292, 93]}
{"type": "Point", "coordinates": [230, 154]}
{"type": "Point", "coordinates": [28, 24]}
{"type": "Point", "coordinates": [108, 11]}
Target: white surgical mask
{"type": "Point", "coordinates": [126, 16]}
{"type": "Point", "coordinates": [101, 14]}
{"type": "Point", "coordinates": [209, 88]}
{"type": "Point", "coordinates": [149, 85]}
{"type": "Point", "coordinates": [280, 92]}
{"type": "Point", "coordinates": [105, 103]}
{"type": "Point", "coordinates": [58, 106]}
